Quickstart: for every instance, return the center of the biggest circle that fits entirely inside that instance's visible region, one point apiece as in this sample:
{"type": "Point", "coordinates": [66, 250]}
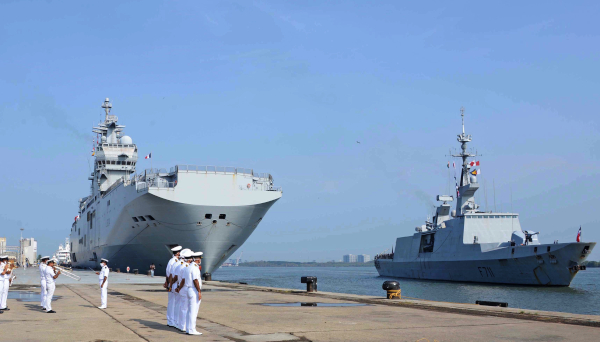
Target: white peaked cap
{"type": "Point", "coordinates": [3, 256]}
{"type": "Point", "coordinates": [175, 249]}
{"type": "Point", "coordinates": [186, 253]}
{"type": "Point", "coordinates": [103, 260]}
{"type": "Point", "coordinates": [197, 254]}
{"type": "Point", "coordinates": [46, 257]}
{"type": "Point", "coordinates": [53, 260]}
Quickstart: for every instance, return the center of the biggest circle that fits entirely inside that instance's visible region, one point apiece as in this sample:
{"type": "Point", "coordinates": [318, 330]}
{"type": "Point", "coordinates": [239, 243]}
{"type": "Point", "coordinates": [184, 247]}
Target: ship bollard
{"type": "Point", "coordinates": [207, 277]}
{"type": "Point", "coordinates": [392, 288]}
{"type": "Point", "coordinates": [311, 283]}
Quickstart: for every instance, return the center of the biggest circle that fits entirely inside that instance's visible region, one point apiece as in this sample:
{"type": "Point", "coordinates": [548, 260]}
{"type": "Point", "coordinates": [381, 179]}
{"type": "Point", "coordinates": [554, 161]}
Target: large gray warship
{"type": "Point", "coordinates": [134, 218]}
{"type": "Point", "coordinates": [470, 245]}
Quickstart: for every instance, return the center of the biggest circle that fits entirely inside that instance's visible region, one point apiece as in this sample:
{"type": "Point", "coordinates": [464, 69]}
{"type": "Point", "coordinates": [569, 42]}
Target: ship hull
{"type": "Point", "coordinates": [545, 269]}
{"type": "Point", "coordinates": [135, 226]}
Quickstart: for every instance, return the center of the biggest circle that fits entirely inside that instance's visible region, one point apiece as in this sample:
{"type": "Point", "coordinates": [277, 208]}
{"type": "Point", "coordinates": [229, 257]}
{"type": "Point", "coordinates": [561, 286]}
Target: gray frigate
{"type": "Point", "coordinates": [470, 245]}
{"type": "Point", "coordinates": [133, 218]}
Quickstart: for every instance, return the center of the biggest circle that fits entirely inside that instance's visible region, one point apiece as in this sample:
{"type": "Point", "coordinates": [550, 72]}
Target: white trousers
{"type": "Point", "coordinates": [49, 294]}
{"type": "Point", "coordinates": [3, 291]}
{"type": "Point", "coordinates": [193, 307]}
{"type": "Point", "coordinates": [43, 293]}
{"type": "Point", "coordinates": [103, 293]}
{"type": "Point", "coordinates": [183, 308]}
{"type": "Point", "coordinates": [170, 306]}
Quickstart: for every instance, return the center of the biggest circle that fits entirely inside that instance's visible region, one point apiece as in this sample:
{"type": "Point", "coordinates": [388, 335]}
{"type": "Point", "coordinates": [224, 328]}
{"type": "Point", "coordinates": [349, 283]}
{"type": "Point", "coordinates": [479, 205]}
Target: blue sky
{"type": "Point", "coordinates": [288, 88]}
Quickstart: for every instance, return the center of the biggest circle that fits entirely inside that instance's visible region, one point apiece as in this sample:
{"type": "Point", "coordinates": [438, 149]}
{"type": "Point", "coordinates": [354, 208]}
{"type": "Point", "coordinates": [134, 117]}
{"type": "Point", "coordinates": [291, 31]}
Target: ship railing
{"type": "Point", "coordinates": [210, 169]}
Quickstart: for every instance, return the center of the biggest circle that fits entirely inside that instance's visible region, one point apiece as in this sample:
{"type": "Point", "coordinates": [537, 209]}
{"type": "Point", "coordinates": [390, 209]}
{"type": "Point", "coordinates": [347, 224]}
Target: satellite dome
{"type": "Point", "coordinates": [103, 139]}
{"type": "Point", "coordinates": [126, 140]}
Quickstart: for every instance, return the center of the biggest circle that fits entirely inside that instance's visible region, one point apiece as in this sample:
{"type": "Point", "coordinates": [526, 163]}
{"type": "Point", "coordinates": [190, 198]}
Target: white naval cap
{"type": "Point", "coordinates": [3, 256]}
{"type": "Point", "coordinates": [186, 253]}
{"type": "Point", "coordinates": [197, 254]}
{"type": "Point", "coordinates": [106, 261]}
{"type": "Point", "coordinates": [46, 257]}
{"type": "Point", "coordinates": [176, 249]}
{"type": "Point", "coordinates": [53, 260]}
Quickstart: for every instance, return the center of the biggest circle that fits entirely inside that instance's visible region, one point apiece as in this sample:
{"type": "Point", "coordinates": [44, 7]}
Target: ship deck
{"type": "Point", "coordinates": [234, 312]}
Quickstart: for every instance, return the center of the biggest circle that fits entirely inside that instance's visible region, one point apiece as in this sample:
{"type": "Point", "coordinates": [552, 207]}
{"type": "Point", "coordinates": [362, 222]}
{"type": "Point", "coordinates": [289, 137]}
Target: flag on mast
{"type": "Point", "coordinates": [579, 235]}
{"type": "Point", "coordinates": [149, 156]}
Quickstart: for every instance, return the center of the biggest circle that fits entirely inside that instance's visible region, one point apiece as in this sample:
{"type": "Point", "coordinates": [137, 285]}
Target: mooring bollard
{"type": "Point", "coordinates": [392, 288]}
{"type": "Point", "coordinates": [311, 283]}
{"type": "Point", "coordinates": [135, 271]}
{"type": "Point", "coordinates": [207, 277]}
{"type": "Point", "coordinates": [118, 270]}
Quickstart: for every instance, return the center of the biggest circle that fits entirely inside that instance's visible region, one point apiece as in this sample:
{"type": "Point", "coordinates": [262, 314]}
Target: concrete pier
{"type": "Point", "coordinates": [233, 312]}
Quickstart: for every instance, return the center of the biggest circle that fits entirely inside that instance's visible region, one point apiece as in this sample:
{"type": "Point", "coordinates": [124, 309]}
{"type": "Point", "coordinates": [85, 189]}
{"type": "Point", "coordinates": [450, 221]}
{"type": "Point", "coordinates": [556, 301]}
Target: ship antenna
{"type": "Point", "coordinates": [462, 114]}
{"type": "Point", "coordinates": [108, 106]}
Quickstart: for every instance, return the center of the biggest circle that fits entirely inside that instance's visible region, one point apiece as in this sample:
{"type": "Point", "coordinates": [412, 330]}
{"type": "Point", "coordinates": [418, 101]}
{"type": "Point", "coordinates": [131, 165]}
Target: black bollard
{"type": "Point", "coordinates": [207, 277]}
{"type": "Point", "coordinates": [311, 283]}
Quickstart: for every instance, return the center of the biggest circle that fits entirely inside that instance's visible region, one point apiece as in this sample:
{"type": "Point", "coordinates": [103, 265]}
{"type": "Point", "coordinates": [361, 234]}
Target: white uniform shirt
{"type": "Point", "coordinates": [175, 272]}
{"type": "Point", "coordinates": [2, 265]}
{"type": "Point", "coordinates": [103, 273]}
{"type": "Point", "coordinates": [183, 272]}
{"type": "Point", "coordinates": [170, 266]}
{"type": "Point", "coordinates": [193, 274]}
{"type": "Point", "coordinates": [42, 271]}
{"type": "Point", "coordinates": [49, 274]}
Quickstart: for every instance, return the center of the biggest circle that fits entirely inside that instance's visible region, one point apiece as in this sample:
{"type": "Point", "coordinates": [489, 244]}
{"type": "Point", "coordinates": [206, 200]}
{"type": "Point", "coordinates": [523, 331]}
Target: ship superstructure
{"type": "Point", "coordinates": [467, 244]}
{"type": "Point", "coordinates": [133, 218]}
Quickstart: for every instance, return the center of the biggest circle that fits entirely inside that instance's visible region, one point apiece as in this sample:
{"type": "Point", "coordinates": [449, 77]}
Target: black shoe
{"type": "Point", "coordinates": [44, 309]}
{"type": "Point", "coordinates": [51, 311]}
{"type": "Point", "coordinates": [6, 309]}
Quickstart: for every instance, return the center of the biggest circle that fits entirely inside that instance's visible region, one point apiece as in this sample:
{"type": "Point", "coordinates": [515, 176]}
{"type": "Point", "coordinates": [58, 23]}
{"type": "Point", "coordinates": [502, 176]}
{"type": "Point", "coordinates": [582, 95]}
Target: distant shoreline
{"type": "Point", "coordinates": [305, 264]}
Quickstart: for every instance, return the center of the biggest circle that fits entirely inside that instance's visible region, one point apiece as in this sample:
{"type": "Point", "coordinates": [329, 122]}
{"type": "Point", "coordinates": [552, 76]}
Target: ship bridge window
{"type": "Point", "coordinates": [135, 219]}
{"type": "Point", "coordinates": [222, 216]}
{"type": "Point", "coordinates": [141, 218]}
{"type": "Point", "coordinates": [208, 216]}
{"type": "Point", "coordinates": [149, 217]}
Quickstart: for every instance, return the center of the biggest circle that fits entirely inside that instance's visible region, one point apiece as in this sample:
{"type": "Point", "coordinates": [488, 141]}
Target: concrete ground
{"type": "Point", "coordinates": [231, 312]}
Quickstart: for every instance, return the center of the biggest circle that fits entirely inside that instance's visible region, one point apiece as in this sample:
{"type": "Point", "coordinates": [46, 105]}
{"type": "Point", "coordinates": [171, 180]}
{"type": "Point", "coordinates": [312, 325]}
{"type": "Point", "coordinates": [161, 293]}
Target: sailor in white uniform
{"type": "Point", "coordinates": [51, 276]}
{"type": "Point", "coordinates": [193, 284]}
{"type": "Point", "coordinates": [42, 267]}
{"type": "Point", "coordinates": [167, 285]}
{"type": "Point", "coordinates": [186, 254]}
{"type": "Point", "coordinates": [103, 281]}
{"type": "Point", "coordinates": [175, 279]}
{"type": "Point", "coordinates": [5, 272]}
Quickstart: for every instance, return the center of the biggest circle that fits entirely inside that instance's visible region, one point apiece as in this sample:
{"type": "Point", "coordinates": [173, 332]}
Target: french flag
{"type": "Point", "coordinates": [148, 156]}
{"type": "Point", "coordinates": [579, 235]}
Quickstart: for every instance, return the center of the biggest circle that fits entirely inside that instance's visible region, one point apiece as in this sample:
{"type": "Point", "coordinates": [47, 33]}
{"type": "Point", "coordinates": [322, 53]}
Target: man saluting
{"type": "Point", "coordinates": [103, 280]}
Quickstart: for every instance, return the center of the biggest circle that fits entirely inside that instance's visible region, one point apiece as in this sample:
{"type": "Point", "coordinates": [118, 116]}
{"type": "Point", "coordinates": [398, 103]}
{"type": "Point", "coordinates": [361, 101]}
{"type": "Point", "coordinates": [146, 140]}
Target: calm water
{"type": "Point", "coordinates": [582, 297]}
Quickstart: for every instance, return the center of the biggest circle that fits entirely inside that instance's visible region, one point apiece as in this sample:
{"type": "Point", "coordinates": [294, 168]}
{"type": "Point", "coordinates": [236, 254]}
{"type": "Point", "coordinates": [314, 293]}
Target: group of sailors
{"type": "Point", "coordinates": [184, 284]}
{"type": "Point", "coordinates": [48, 274]}
{"type": "Point", "coordinates": [5, 282]}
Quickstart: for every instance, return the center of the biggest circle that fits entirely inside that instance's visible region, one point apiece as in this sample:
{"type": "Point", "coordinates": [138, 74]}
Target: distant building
{"type": "Point", "coordinates": [350, 258]}
{"type": "Point", "coordinates": [2, 245]}
{"type": "Point", "coordinates": [364, 258]}
{"type": "Point", "coordinates": [28, 251]}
